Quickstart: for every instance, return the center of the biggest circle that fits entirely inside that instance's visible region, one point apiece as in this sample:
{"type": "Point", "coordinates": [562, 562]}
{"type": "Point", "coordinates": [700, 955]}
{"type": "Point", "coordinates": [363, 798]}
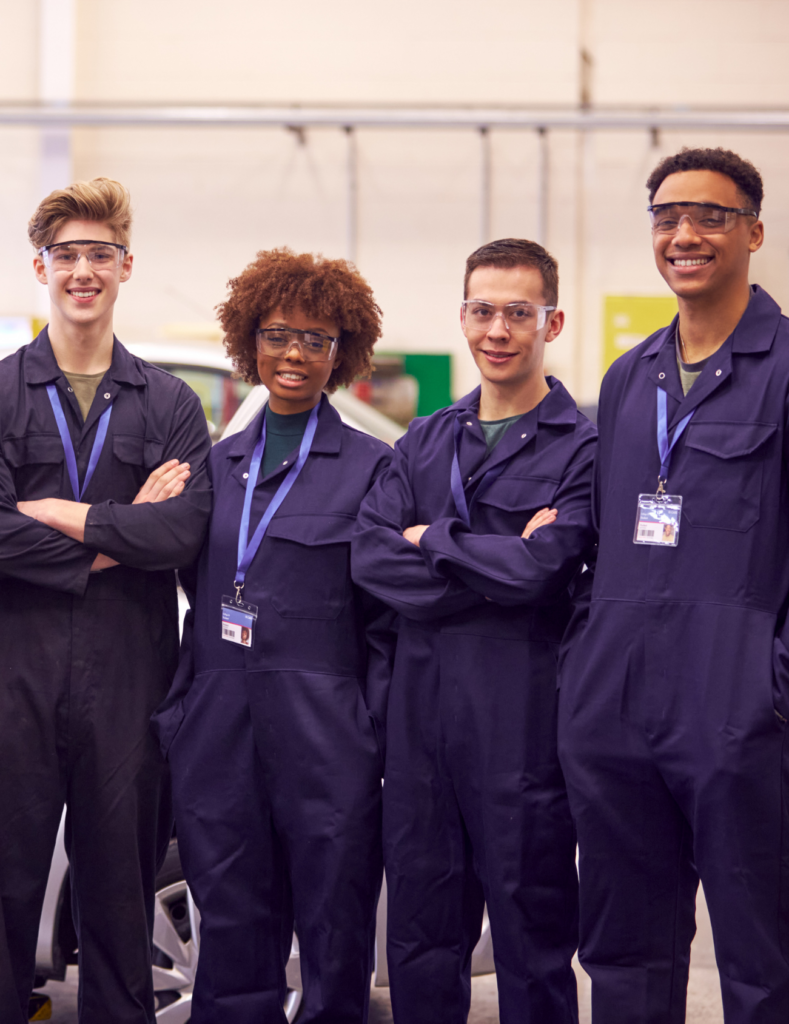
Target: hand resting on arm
{"type": "Point", "coordinates": [68, 517]}
{"type": "Point", "coordinates": [542, 518]}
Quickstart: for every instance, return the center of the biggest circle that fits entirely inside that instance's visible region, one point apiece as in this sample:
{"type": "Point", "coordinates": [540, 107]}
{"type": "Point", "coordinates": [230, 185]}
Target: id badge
{"type": "Point", "coordinates": [658, 519]}
{"type": "Point", "coordinates": [238, 621]}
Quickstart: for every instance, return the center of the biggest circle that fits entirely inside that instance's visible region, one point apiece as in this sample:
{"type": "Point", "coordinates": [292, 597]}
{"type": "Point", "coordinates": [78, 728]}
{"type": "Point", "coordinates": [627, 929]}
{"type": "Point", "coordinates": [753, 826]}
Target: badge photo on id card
{"type": "Point", "coordinates": [238, 621]}
{"type": "Point", "coordinates": [658, 519]}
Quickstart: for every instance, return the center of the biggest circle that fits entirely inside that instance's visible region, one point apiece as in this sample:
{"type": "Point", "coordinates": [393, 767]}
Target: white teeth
{"type": "Point", "coordinates": [83, 295]}
{"type": "Point", "coordinates": [291, 376]}
{"type": "Point", "coordinates": [691, 263]}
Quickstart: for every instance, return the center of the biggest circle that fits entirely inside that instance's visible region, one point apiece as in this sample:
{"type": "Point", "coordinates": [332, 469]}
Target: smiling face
{"type": "Point", "coordinates": [83, 296]}
{"type": "Point", "coordinates": [294, 383]}
{"type": "Point", "coordinates": [705, 266]}
{"type": "Point", "coordinates": [504, 359]}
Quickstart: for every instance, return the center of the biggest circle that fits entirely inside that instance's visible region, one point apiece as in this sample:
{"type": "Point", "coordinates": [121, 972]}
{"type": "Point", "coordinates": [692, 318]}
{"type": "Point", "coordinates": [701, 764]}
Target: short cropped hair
{"type": "Point", "coordinates": [323, 288]}
{"type": "Point", "coordinates": [517, 252]}
{"type": "Point", "coordinates": [101, 199]}
{"type": "Point", "coordinates": [742, 172]}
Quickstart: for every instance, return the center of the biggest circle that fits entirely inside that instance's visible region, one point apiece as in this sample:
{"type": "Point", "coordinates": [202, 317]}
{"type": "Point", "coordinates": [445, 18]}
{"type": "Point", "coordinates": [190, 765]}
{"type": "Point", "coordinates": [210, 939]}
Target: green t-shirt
{"type": "Point", "coordinates": [688, 372]}
{"type": "Point", "coordinates": [494, 430]}
{"type": "Point", "coordinates": [283, 434]}
{"type": "Point", "coordinates": [84, 386]}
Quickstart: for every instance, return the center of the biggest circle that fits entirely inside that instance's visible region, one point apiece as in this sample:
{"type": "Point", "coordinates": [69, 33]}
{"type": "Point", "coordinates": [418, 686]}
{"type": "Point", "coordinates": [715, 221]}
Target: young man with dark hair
{"type": "Point", "coordinates": [475, 809]}
{"type": "Point", "coordinates": [675, 691]}
{"type": "Point", "coordinates": [101, 468]}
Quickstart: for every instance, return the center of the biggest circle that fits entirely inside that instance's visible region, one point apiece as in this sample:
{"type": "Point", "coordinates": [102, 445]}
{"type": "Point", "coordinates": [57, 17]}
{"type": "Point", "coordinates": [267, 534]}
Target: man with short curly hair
{"type": "Point", "coordinates": [674, 693]}
{"type": "Point", "coordinates": [103, 494]}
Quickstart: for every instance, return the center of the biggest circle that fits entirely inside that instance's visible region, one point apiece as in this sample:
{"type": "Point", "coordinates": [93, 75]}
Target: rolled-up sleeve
{"type": "Point", "coordinates": [165, 534]}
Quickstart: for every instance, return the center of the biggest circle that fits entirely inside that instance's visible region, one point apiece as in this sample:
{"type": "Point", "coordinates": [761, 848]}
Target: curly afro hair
{"type": "Point", "coordinates": [327, 289]}
{"type": "Point", "coordinates": [741, 171]}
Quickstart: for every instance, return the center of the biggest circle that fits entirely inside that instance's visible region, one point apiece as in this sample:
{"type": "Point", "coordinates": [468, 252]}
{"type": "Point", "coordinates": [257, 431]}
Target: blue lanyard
{"type": "Point", "coordinates": [68, 447]}
{"type": "Point", "coordinates": [247, 551]}
{"type": "Point", "coordinates": [456, 481]}
{"type": "Point", "coordinates": [664, 448]}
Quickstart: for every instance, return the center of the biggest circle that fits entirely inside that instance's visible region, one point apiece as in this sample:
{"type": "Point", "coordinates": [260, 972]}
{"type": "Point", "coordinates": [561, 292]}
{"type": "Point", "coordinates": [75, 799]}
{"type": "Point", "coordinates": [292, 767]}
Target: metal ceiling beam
{"type": "Point", "coordinates": [93, 115]}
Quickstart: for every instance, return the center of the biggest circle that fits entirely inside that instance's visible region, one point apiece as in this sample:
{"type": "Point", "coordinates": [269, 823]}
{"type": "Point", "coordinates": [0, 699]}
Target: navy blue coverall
{"type": "Point", "coordinates": [475, 807]}
{"type": "Point", "coordinates": [274, 750]}
{"type": "Point", "coordinates": [84, 660]}
{"type": "Point", "coordinates": [675, 691]}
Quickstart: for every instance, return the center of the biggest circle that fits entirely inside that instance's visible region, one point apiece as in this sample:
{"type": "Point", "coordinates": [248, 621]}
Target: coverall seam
{"type": "Point", "coordinates": [666, 603]}
{"type": "Point", "coordinates": [301, 672]}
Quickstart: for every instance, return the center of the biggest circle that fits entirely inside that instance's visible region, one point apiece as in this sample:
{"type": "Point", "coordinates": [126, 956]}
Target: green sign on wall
{"type": "Point", "coordinates": [628, 319]}
{"type": "Point", "coordinates": [433, 370]}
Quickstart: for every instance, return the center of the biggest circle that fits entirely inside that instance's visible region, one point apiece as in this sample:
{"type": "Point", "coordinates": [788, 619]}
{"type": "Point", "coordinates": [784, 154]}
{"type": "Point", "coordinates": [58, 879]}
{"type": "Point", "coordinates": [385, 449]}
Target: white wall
{"type": "Point", "coordinates": [207, 200]}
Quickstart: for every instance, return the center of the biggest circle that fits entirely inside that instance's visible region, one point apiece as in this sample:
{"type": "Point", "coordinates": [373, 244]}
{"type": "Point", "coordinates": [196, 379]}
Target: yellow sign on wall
{"type": "Point", "coordinates": [628, 319]}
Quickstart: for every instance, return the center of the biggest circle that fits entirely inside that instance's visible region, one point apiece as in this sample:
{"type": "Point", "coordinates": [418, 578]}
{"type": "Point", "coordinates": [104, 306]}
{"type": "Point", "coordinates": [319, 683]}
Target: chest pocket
{"type": "Point", "coordinates": [33, 449]}
{"type": "Point", "coordinates": [134, 450]}
{"type": "Point", "coordinates": [309, 562]}
{"type": "Point", "coordinates": [520, 496]}
{"type": "Point", "coordinates": [36, 463]}
{"type": "Point", "coordinates": [725, 464]}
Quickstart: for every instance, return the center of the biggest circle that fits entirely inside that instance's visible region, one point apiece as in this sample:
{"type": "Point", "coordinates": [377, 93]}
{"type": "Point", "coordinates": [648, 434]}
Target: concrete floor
{"type": "Point", "coordinates": [704, 1001]}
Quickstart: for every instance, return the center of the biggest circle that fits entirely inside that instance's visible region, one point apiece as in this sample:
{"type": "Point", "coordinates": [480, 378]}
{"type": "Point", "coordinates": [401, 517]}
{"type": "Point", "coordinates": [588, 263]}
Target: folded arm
{"type": "Point", "coordinates": [160, 534]}
{"type": "Point", "coordinates": [521, 569]}
{"type": "Point", "coordinates": [69, 517]}
{"type": "Point", "coordinates": [387, 565]}
{"type": "Point", "coordinates": [34, 552]}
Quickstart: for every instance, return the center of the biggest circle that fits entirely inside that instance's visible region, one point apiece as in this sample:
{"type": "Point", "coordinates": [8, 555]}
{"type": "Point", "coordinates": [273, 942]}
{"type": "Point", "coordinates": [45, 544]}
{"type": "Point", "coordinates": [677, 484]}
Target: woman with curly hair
{"type": "Point", "coordinates": [274, 720]}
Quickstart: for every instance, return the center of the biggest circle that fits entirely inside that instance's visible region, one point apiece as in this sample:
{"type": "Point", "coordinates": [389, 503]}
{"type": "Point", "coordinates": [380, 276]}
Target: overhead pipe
{"type": "Point", "coordinates": [186, 116]}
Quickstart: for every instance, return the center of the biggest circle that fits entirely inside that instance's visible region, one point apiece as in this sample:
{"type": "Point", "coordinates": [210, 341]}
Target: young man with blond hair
{"type": "Point", "coordinates": [103, 494]}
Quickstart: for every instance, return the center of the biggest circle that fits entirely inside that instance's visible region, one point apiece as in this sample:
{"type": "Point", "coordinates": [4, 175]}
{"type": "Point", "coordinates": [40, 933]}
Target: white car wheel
{"type": "Point", "coordinates": [176, 946]}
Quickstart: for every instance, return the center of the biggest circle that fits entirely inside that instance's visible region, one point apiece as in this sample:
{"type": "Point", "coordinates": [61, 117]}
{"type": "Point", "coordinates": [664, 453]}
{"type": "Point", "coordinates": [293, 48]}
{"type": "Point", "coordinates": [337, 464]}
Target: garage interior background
{"type": "Point", "coordinates": [593, 94]}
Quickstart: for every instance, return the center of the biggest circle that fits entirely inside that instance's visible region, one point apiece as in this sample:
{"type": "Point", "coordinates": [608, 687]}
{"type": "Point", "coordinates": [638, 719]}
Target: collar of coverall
{"type": "Point", "coordinates": [328, 436]}
{"type": "Point", "coordinates": [40, 365]}
{"type": "Point", "coordinates": [556, 409]}
{"type": "Point", "coordinates": [754, 333]}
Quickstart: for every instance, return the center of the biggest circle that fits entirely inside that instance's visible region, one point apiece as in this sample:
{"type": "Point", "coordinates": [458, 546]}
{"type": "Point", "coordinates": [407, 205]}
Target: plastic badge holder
{"type": "Point", "coordinates": [658, 519]}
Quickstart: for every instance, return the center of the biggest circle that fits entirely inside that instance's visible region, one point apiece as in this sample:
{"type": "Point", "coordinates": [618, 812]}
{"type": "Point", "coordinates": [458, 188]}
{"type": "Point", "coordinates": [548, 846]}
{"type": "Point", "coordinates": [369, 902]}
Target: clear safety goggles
{"type": "Point", "coordinates": [704, 218]}
{"type": "Point", "coordinates": [518, 317]}
{"type": "Point", "coordinates": [313, 346]}
{"type": "Point", "coordinates": [66, 255]}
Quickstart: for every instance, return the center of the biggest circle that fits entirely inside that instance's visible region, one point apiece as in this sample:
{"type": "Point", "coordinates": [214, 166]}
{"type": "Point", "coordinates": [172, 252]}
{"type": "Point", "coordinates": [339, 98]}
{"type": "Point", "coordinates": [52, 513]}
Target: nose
{"type": "Point", "coordinates": [83, 267]}
{"type": "Point", "coordinates": [499, 328]}
{"type": "Point", "coordinates": [686, 233]}
{"type": "Point", "coordinates": [294, 351]}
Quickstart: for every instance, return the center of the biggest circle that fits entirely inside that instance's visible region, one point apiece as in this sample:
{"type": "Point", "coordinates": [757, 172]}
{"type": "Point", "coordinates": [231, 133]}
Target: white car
{"type": "Point", "coordinates": [229, 405]}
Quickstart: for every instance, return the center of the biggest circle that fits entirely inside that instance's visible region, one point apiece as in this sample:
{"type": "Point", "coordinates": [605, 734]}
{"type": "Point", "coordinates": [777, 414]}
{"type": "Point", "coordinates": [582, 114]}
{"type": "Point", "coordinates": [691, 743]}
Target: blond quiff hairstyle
{"type": "Point", "coordinates": [101, 199]}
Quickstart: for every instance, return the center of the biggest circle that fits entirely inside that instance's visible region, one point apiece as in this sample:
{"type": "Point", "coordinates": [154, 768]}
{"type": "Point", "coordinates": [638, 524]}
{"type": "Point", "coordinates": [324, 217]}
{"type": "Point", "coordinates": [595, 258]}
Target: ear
{"type": "Point", "coordinates": [126, 267]}
{"type": "Point", "coordinates": [756, 239]}
{"type": "Point", "coordinates": [555, 326]}
{"type": "Point", "coordinates": [40, 270]}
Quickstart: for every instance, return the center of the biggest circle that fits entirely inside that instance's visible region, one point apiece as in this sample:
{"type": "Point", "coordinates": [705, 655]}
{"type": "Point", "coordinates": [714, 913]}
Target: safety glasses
{"type": "Point", "coordinates": [704, 218]}
{"type": "Point", "coordinates": [518, 317]}
{"type": "Point", "coordinates": [313, 346]}
{"type": "Point", "coordinates": [66, 255]}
